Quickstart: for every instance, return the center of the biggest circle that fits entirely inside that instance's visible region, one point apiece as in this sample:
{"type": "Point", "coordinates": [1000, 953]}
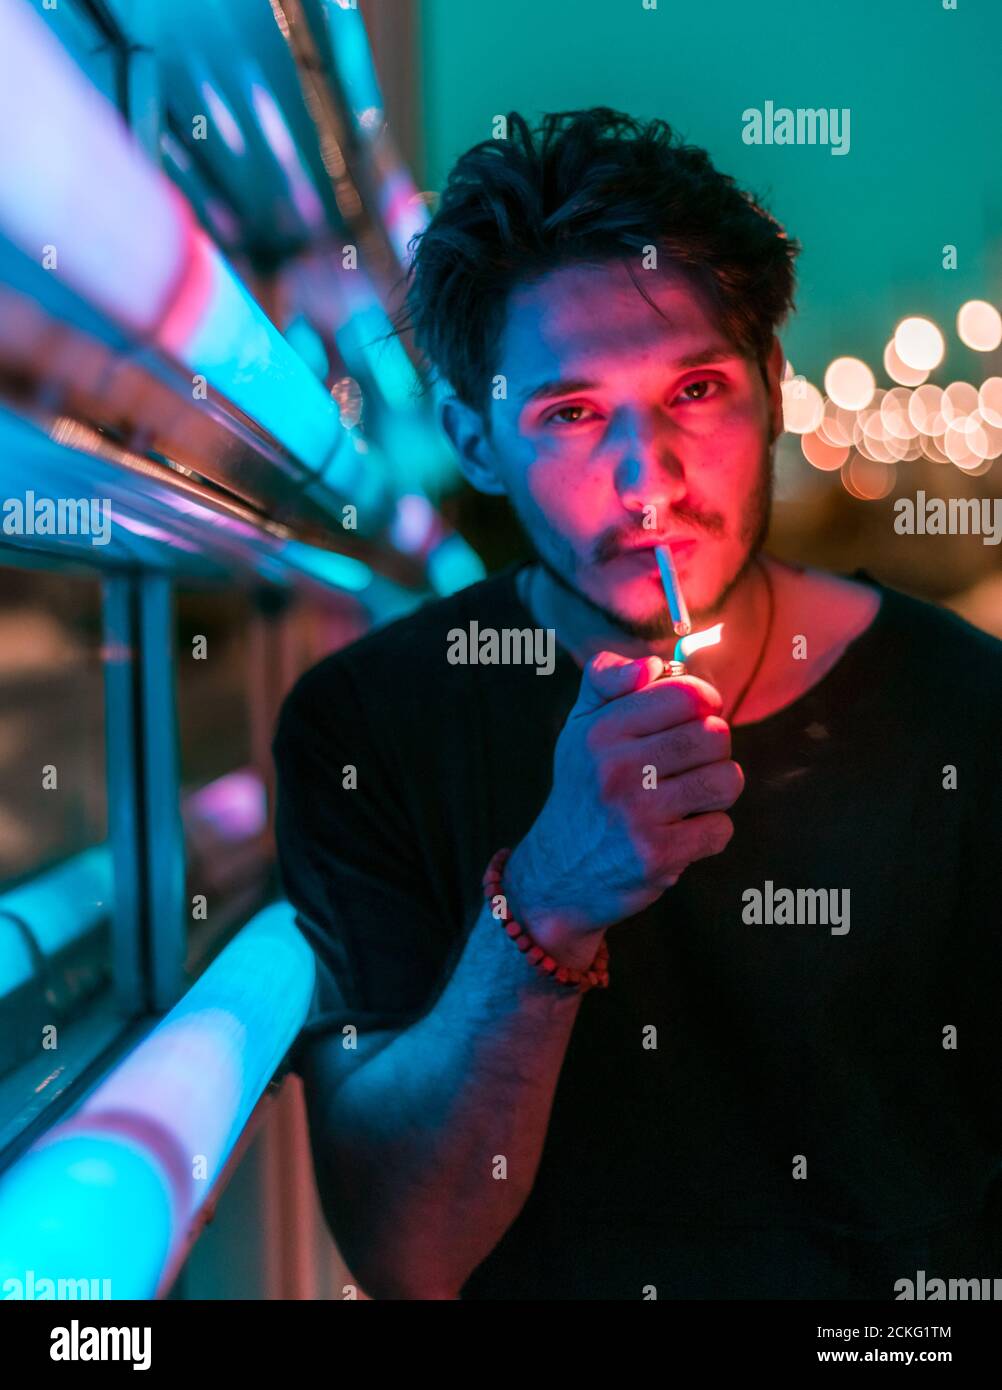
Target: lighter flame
{"type": "Point", "coordinates": [687, 645]}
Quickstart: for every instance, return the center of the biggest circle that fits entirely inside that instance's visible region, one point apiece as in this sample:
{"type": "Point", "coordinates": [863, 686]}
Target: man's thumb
{"type": "Point", "coordinates": [609, 675]}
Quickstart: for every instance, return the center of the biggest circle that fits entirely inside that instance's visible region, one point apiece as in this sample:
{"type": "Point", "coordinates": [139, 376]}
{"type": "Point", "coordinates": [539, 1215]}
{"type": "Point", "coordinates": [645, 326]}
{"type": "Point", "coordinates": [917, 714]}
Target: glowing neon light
{"type": "Point", "coordinates": [279, 137]}
{"type": "Point", "coordinates": [111, 1192]}
{"type": "Point", "coordinates": [74, 186]}
{"type": "Point", "coordinates": [453, 565]}
{"type": "Point", "coordinates": [339, 571]}
{"type": "Point", "coordinates": [234, 806]}
{"type": "Point", "coordinates": [353, 59]}
{"type": "Point", "coordinates": [224, 119]}
{"type": "Point", "coordinates": [217, 330]}
{"type": "Point", "coordinates": [66, 902]}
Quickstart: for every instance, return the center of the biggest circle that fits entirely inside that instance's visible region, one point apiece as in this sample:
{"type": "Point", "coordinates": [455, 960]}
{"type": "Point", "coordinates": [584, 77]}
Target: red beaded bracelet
{"type": "Point", "coordinates": [597, 973]}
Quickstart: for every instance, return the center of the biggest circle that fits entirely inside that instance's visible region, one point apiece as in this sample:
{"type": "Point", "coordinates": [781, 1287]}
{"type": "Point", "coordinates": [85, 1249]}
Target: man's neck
{"type": "Point", "coordinates": [825, 610]}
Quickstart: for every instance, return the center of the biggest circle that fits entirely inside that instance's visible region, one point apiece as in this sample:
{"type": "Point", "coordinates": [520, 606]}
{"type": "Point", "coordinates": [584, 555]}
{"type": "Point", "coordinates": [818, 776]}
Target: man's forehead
{"type": "Point", "coordinates": [583, 312]}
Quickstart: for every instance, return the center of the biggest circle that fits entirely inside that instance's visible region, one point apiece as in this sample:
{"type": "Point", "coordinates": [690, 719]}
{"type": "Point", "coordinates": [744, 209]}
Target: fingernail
{"type": "Point", "coordinates": [650, 669]}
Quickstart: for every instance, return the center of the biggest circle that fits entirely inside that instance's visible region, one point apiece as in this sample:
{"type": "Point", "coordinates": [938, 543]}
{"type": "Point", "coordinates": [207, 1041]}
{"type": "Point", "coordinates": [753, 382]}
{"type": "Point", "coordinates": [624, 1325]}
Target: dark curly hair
{"type": "Point", "coordinates": [585, 186]}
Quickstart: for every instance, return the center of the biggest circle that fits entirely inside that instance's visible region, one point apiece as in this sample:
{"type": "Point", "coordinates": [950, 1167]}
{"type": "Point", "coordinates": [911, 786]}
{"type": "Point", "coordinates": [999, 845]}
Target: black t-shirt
{"type": "Point", "coordinates": [781, 1048]}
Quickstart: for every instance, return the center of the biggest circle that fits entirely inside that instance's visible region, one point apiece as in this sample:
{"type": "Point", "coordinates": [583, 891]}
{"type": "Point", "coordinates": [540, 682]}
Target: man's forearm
{"type": "Point", "coordinates": [431, 1146]}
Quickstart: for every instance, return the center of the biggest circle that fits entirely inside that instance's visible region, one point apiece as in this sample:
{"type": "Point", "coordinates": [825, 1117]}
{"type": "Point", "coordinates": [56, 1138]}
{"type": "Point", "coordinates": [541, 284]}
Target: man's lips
{"type": "Point", "coordinates": [680, 551]}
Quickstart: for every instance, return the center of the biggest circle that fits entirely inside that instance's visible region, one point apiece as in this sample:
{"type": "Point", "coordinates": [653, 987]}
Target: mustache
{"type": "Point", "coordinates": [614, 543]}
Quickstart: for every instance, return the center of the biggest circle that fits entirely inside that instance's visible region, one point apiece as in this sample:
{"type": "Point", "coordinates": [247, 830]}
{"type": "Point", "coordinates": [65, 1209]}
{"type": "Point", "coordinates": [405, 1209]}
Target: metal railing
{"type": "Point", "coordinates": [113, 1193]}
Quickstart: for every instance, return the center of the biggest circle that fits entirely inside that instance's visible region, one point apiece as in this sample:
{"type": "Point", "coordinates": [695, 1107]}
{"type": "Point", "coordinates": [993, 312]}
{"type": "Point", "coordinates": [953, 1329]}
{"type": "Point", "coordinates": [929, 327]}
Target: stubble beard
{"type": "Point", "coordinates": [659, 627]}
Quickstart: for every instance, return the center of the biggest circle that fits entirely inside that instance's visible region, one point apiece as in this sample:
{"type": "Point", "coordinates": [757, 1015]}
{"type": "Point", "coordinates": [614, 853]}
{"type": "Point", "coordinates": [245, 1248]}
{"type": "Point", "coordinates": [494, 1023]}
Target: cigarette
{"type": "Point", "coordinates": [681, 625]}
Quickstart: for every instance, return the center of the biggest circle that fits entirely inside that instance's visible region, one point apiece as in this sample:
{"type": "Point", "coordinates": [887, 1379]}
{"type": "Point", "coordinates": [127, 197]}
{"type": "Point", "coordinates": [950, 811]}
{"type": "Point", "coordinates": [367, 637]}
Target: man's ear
{"type": "Point", "coordinates": [468, 436]}
{"type": "Point", "coordinates": [774, 382]}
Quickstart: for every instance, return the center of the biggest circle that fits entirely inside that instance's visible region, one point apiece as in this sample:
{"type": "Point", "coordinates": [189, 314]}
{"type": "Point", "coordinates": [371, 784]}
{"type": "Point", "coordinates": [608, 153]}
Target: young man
{"type": "Point", "coordinates": [789, 1086]}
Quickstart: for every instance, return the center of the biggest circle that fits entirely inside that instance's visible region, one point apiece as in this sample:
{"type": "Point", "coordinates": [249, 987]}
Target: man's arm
{"type": "Point", "coordinates": [409, 1138]}
{"type": "Point", "coordinates": [409, 1130]}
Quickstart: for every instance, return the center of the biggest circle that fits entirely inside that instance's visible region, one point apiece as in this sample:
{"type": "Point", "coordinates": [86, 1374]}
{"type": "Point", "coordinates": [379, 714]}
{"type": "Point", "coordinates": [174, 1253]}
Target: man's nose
{"type": "Point", "coordinates": [649, 470]}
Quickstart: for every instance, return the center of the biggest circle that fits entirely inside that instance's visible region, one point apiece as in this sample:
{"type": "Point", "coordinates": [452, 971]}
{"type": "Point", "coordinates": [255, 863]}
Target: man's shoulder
{"type": "Point", "coordinates": [940, 653]}
{"type": "Point", "coordinates": [391, 657]}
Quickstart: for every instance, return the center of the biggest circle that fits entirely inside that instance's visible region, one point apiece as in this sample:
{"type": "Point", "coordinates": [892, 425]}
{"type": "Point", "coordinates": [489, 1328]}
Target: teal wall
{"type": "Point", "coordinates": [924, 167]}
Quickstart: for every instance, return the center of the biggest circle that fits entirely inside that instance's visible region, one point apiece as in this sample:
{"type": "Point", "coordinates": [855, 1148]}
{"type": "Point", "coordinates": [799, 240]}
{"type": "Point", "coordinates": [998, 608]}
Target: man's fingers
{"type": "Point", "coordinates": [685, 746]}
{"type": "Point", "coordinates": [607, 676]}
{"type": "Point", "coordinates": [713, 787]}
{"type": "Point", "coordinates": [662, 704]}
{"type": "Point", "coordinates": [698, 838]}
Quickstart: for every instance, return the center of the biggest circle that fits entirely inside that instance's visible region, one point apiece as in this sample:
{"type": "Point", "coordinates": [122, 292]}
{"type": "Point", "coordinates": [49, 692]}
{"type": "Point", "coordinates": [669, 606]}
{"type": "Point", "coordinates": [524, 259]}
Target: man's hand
{"type": "Point", "coordinates": [612, 837]}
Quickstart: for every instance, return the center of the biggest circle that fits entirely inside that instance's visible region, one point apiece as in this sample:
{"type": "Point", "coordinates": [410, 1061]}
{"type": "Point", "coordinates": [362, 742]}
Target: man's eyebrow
{"type": "Point", "coordinates": [705, 356]}
{"type": "Point", "coordinates": [570, 386]}
{"type": "Point", "coordinates": [558, 388]}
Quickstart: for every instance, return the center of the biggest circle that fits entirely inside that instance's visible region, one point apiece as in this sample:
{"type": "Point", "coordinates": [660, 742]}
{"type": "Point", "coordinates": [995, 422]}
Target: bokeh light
{"type": "Point", "coordinates": [836, 425]}
{"type": "Point", "coordinates": [978, 469]}
{"type": "Point", "coordinates": [977, 435]}
{"type": "Point", "coordinates": [932, 447]}
{"type": "Point", "coordinates": [348, 394]}
{"type": "Point", "coordinates": [869, 433]}
{"type": "Point", "coordinates": [867, 480]}
{"type": "Point", "coordinates": [990, 400]}
{"type": "Point", "coordinates": [802, 406]}
{"type": "Point", "coordinates": [979, 325]}
{"type": "Point", "coordinates": [897, 422]}
{"type": "Point", "coordinates": [919, 344]}
{"type": "Point", "coordinates": [899, 371]}
{"type": "Point", "coordinates": [959, 400]}
{"type": "Point", "coordinates": [850, 383]}
{"type": "Point", "coordinates": [925, 409]}
{"type": "Point", "coordinates": [994, 436]}
{"type": "Point", "coordinates": [960, 446]}
{"type": "Point", "coordinates": [822, 454]}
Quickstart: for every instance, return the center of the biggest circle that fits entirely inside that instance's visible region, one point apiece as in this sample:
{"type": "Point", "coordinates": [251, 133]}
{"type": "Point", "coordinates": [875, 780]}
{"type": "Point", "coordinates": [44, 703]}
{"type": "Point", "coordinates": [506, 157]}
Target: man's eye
{"type": "Point", "coordinates": [568, 414]}
{"type": "Point", "coordinates": [699, 390]}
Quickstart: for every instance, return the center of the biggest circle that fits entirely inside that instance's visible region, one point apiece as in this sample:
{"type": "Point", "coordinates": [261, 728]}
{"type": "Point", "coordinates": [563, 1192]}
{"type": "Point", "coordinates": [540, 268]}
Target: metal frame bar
{"type": "Point", "coordinates": [124, 821]}
{"type": "Point", "coordinates": [161, 813]}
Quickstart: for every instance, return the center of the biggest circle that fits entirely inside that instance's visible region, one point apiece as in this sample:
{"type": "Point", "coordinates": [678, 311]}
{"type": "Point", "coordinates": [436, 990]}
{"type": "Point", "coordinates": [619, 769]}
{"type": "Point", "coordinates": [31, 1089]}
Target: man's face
{"type": "Point", "coordinates": [624, 427]}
